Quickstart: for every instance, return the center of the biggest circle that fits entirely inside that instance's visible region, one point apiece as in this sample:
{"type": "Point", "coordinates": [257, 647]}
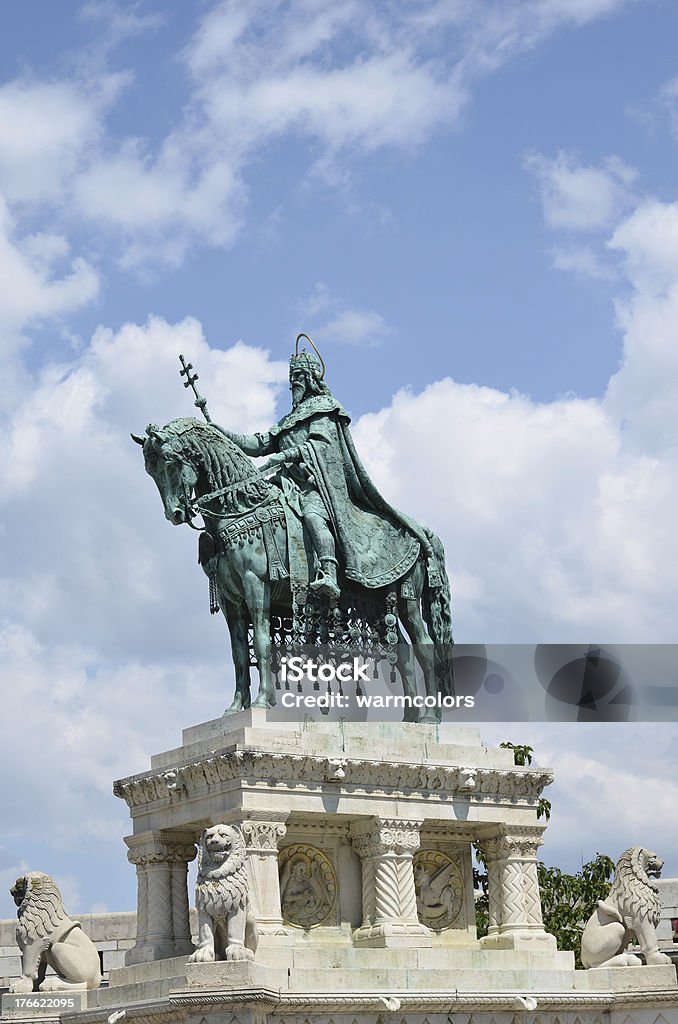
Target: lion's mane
{"type": "Point", "coordinates": [222, 887]}
{"type": "Point", "coordinates": [41, 912]}
{"type": "Point", "coordinates": [633, 892]}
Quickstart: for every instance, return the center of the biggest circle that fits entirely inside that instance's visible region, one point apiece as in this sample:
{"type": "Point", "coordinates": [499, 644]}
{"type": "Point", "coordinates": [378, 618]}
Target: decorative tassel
{"type": "Point", "coordinates": [214, 594]}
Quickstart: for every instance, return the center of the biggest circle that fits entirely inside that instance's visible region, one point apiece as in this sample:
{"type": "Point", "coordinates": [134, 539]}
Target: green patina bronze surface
{"type": "Point", "coordinates": [306, 537]}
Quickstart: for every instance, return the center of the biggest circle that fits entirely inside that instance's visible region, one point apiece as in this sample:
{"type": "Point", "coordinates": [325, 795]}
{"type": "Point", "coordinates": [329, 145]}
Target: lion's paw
{"type": "Point", "coordinates": [658, 958]}
{"type": "Point", "coordinates": [22, 985]}
{"type": "Point", "coordinates": [56, 984]}
{"type": "Point", "coordinates": [202, 955]}
{"type": "Point", "coordinates": [237, 953]}
{"type": "Point", "coordinates": [51, 985]}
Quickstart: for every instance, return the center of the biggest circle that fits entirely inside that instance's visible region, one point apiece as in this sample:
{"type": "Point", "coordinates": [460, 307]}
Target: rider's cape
{"type": "Point", "coordinates": [378, 544]}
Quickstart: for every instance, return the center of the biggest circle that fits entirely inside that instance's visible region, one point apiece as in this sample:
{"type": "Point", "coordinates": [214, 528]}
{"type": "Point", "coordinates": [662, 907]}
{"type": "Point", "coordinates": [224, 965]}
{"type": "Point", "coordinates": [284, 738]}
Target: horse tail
{"type": "Point", "coordinates": [437, 611]}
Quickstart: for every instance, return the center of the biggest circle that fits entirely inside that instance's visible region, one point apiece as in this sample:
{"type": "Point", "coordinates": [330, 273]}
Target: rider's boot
{"type": "Point", "coordinates": [326, 580]}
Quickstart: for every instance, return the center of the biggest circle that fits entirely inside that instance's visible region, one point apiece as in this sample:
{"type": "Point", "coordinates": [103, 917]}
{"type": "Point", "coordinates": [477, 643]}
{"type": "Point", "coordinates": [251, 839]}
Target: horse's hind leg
{"type": "Point", "coordinates": [237, 620]}
{"type": "Point", "coordinates": [258, 597]}
{"type": "Point", "coordinates": [405, 666]}
{"type": "Point", "coordinates": [424, 650]}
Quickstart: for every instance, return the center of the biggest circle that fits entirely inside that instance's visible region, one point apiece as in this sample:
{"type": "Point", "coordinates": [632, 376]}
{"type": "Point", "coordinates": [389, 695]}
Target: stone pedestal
{"type": "Point", "coordinates": [358, 841]}
{"type": "Point", "coordinates": [361, 833]}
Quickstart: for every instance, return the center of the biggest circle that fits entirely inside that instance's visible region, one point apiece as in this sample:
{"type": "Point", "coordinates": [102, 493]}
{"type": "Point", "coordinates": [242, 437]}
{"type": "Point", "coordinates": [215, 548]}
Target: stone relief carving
{"type": "Point", "coordinates": [632, 906]}
{"type": "Point", "coordinates": [263, 835]}
{"type": "Point", "coordinates": [308, 886]}
{"type": "Point", "coordinates": [227, 928]}
{"type": "Point", "coordinates": [439, 885]}
{"type": "Point", "coordinates": [489, 784]}
{"type": "Point", "coordinates": [47, 937]}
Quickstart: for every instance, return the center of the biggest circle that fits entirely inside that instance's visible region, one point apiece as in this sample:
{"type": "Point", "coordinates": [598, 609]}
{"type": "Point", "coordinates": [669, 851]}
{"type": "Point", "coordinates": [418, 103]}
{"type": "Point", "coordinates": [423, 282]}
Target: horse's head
{"type": "Point", "coordinates": [166, 460]}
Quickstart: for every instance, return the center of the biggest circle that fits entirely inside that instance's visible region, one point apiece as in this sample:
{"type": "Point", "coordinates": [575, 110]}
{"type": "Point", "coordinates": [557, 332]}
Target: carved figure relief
{"type": "Point", "coordinates": [308, 886]}
{"type": "Point", "coordinates": [439, 885]}
{"type": "Point", "coordinates": [47, 937]}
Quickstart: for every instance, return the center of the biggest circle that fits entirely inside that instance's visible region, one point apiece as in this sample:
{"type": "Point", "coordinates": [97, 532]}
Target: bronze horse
{"type": "Point", "coordinates": [199, 470]}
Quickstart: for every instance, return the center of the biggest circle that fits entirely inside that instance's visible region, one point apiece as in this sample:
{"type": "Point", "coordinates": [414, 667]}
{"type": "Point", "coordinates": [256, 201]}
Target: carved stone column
{"type": "Point", "coordinates": [161, 860]}
{"type": "Point", "coordinates": [386, 847]}
{"type": "Point", "coordinates": [492, 851]}
{"type": "Point", "coordinates": [513, 890]}
{"type": "Point", "coordinates": [262, 838]}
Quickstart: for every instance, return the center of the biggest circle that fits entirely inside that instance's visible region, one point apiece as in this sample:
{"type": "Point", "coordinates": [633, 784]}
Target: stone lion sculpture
{"type": "Point", "coordinates": [632, 907]}
{"type": "Point", "coordinates": [47, 937]}
{"type": "Point", "coordinates": [227, 929]}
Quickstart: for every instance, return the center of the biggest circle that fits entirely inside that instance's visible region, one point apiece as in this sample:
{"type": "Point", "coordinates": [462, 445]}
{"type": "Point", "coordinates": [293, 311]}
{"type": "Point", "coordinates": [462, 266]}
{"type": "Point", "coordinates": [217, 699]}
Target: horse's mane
{"type": "Point", "coordinates": [223, 462]}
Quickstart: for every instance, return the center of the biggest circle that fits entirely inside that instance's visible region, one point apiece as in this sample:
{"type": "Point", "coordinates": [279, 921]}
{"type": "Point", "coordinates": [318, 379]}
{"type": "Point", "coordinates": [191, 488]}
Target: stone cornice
{"type": "Point", "coordinates": [281, 770]}
{"type": "Point", "coordinates": [183, 1003]}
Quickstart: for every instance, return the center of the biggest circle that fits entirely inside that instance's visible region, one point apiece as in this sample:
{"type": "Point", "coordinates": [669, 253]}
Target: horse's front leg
{"type": "Point", "coordinates": [236, 617]}
{"type": "Point", "coordinates": [258, 597]}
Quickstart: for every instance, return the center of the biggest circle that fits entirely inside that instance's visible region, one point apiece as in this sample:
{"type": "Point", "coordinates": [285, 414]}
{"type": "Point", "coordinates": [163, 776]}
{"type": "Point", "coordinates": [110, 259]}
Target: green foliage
{"type": "Point", "coordinates": [522, 754]}
{"type": "Point", "coordinates": [544, 808]}
{"type": "Point", "coordinates": [569, 900]}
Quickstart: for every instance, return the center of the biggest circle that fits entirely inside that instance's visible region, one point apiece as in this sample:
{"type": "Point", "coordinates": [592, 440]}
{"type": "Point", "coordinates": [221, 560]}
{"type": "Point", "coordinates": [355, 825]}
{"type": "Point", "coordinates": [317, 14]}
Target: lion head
{"type": "Point", "coordinates": [222, 875]}
{"type": "Point", "coordinates": [633, 890]}
{"type": "Point", "coordinates": [40, 906]}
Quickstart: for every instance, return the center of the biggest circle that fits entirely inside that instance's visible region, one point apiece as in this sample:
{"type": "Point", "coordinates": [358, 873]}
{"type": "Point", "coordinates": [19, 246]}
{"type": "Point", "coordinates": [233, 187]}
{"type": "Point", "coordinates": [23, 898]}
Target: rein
{"type": "Point", "coordinates": [219, 494]}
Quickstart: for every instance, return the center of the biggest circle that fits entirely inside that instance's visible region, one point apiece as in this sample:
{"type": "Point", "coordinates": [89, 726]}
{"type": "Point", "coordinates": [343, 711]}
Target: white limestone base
{"type": "Point", "coordinates": [296, 984]}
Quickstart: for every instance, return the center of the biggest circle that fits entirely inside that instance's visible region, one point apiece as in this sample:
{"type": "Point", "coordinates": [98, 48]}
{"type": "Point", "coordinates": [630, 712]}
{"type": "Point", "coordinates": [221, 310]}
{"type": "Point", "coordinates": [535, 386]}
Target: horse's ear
{"type": "Point", "coordinates": [139, 440]}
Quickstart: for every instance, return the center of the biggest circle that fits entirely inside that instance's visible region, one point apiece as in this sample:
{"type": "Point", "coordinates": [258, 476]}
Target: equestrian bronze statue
{"type": "Point", "coordinates": [303, 552]}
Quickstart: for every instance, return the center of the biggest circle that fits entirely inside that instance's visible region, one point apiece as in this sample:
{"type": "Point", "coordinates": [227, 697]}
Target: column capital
{"type": "Point", "coordinates": [166, 847]}
{"type": "Point", "coordinates": [262, 835]}
{"type": "Point", "coordinates": [521, 842]}
{"type": "Point", "coordinates": [376, 837]}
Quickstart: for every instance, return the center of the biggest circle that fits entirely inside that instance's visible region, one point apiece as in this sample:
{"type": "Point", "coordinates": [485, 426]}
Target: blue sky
{"type": "Point", "coordinates": [472, 208]}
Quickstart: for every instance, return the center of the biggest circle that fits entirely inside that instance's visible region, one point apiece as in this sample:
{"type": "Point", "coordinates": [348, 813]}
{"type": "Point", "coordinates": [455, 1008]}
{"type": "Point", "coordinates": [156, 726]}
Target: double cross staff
{"type": "Point", "coordinates": [200, 402]}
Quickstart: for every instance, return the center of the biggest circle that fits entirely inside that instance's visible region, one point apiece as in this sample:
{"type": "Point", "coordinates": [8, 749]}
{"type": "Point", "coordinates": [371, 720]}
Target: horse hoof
{"type": "Point", "coordinates": [236, 706]}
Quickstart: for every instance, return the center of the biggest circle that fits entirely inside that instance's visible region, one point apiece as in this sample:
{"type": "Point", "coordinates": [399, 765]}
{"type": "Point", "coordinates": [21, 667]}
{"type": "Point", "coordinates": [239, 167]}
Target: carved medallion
{"type": "Point", "coordinates": [439, 885]}
{"type": "Point", "coordinates": [308, 886]}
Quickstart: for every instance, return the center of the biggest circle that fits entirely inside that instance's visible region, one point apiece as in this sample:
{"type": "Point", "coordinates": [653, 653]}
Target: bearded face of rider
{"type": "Point", "coordinates": [299, 381]}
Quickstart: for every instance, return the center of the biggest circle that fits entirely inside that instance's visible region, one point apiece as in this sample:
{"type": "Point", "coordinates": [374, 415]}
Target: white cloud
{"type": "Point", "coordinates": [47, 128]}
{"type": "Point", "coordinates": [159, 205]}
{"type": "Point", "coordinates": [30, 291]}
{"type": "Point", "coordinates": [553, 531]}
{"type": "Point", "coordinates": [328, 317]}
{"type": "Point", "coordinates": [578, 198]}
{"type": "Point", "coordinates": [644, 392]}
{"type": "Point", "coordinates": [67, 449]}
{"type": "Point", "coordinates": [566, 507]}
{"type": "Point", "coordinates": [582, 260]}
{"type": "Point", "coordinates": [600, 804]}
{"type": "Point", "coordinates": [340, 80]}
